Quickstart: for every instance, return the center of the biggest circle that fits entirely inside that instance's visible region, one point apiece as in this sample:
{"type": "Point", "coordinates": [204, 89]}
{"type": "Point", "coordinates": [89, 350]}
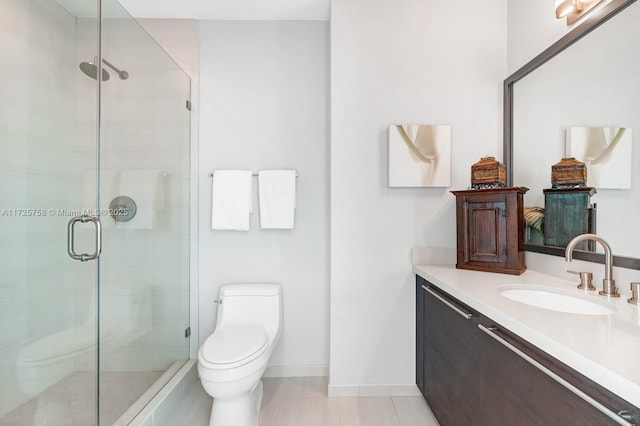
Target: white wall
{"type": "Point", "coordinates": [408, 62]}
{"type": "Point", "coordinates": [532, 27]}
{"type": "Point", "coordinates": [264, 105]}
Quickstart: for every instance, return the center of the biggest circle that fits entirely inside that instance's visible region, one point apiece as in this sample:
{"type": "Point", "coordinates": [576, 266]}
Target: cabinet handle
{"type": "Point", "coordinates": [597, 405]}
{"type": "Point", "coordinates": [466, 315]}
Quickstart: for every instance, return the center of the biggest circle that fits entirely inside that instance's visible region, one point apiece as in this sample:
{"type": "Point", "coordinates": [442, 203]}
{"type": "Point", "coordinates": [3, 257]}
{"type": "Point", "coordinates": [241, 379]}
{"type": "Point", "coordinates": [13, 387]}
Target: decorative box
{"type": "Point", "coordinates": [568, 173]}
{"type": "Point", "coordinates": [488, 173]}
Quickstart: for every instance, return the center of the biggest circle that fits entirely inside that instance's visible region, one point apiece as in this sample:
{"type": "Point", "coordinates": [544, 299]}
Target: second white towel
{"type": "Point", "coordinates": [277, 195]}
{"type": "Point", "coordinates": [231, 196]}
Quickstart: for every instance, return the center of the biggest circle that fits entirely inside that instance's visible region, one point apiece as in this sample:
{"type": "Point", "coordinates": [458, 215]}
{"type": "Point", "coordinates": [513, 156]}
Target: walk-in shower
{"type": "Point", "coordinates": [91, 69]}
{"type": "Point", "coordinates": [94, 297]}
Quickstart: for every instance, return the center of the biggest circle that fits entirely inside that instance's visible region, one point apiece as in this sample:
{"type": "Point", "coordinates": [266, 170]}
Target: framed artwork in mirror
{"type": "Point", "coordinates": [606, 152]}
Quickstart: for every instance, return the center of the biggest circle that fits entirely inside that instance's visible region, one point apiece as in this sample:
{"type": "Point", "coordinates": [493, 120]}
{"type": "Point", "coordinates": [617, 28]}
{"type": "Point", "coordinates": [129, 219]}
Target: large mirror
{"type": "Point", "coordinates": [589, 78]}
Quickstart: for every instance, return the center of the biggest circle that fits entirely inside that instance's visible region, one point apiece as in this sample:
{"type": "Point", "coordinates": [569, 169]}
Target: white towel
{"type": "Point", "coordinates": [231, 200]}
{"type": "Point", "coordinates": [277, 194]}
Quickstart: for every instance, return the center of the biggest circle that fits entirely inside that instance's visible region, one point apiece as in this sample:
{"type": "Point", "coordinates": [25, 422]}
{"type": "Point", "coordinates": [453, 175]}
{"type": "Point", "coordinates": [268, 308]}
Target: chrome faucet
{"type": "Point", "coordinates": [608, 283]}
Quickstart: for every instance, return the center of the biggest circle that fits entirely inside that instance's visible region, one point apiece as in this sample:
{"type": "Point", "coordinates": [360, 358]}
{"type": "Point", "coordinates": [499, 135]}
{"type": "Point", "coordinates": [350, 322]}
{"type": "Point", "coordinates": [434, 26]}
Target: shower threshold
{"type": "Point", "coordinates": [149, 394]}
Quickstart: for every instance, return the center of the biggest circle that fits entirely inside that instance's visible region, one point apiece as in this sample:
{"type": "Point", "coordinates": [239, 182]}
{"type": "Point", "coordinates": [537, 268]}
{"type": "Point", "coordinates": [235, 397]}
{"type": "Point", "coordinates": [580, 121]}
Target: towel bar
{"type": "Point", "coordinates": [253, 174]}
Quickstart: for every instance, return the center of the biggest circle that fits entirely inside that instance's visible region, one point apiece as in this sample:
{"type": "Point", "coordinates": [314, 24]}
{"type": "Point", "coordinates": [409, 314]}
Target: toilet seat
{"type": "Point", "coordinates": [233, 346]}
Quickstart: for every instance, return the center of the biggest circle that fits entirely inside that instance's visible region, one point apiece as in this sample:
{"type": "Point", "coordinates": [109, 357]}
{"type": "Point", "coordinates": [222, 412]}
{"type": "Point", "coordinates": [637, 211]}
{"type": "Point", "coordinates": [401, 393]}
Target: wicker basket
{"type": "Point", "coordinates": [488, 173]}
{"type": "Point", "coordinates": [568, 173]}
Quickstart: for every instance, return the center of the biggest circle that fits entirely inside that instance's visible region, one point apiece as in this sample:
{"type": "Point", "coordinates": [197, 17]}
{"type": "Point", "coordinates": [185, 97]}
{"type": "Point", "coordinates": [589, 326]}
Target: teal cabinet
{"type": "Point", "coordinates": [568, 213]}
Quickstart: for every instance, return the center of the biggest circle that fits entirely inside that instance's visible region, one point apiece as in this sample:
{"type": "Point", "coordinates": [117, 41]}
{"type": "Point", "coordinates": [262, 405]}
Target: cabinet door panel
{"type": "Point", "coordinates": [443, 325]}
{"type": "Point", "coordinates": [450, 365]}
{"type": "Point", "coordinates": [451, 385]}
{"type": "Point", "coordinates": [488, 227]}
{"type": "Point", "coordinates": [514, 392]}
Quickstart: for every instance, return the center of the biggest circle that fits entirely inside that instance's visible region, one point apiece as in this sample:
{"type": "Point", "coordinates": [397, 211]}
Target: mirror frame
{"type": "Point", "coordinates": [591, 22]}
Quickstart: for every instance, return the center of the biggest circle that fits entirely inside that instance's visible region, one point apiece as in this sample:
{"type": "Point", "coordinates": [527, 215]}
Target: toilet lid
{"type": "Point", "coordinates": [234, 343]}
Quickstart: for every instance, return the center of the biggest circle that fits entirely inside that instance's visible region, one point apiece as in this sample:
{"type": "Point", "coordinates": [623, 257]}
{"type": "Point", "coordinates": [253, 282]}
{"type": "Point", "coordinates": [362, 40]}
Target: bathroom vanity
{"type": "Point", "coordinates": [485, 359]}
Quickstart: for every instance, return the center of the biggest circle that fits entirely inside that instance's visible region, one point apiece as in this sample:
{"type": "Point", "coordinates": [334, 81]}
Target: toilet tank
{"type": "Point", "coordinates": [251, 304]}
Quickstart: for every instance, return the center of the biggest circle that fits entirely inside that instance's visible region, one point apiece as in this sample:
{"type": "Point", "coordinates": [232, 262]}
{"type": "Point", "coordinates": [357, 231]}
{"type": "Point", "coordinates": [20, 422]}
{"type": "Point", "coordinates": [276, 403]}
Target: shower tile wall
{"type": "Point", "coordinates": [37, 121]}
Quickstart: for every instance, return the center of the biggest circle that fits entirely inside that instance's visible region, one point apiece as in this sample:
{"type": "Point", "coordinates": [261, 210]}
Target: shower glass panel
{"type": "Point", "coordinates": [144, 186]}
{"type": "Point", "coordinates": [89, 342]}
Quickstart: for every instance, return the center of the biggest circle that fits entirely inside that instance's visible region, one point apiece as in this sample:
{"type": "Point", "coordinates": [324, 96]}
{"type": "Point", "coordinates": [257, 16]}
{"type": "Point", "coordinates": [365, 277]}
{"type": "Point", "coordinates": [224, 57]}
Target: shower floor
{"type": "Point", "coordinates": [71, 401]}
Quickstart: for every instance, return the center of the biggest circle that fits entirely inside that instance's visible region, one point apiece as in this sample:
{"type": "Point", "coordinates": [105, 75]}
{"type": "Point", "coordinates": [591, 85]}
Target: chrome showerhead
{"type": "Point", "coordinates": [91, 69]}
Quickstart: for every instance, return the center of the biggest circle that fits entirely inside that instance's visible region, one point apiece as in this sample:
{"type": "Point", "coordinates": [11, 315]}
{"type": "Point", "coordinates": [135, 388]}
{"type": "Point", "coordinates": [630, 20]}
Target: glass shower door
{"type": "Point", "coordinates": [48, 168]}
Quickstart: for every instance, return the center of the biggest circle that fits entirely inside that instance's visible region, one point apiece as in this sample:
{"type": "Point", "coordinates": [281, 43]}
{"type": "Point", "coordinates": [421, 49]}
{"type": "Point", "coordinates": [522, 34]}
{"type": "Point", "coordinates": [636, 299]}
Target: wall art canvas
{"type": "Point", "coordinates": [419, 155]}
{"type": "Point", "coordinates": [606, 151]}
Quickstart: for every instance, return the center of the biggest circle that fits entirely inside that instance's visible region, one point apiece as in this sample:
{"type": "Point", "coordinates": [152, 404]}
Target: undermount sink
{"type": "Point", "coordinates": [555, 299]}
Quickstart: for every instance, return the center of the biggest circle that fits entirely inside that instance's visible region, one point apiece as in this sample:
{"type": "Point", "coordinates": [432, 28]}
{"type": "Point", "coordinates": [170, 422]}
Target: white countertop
{"type": "Point", "coordinates": [604, 348]}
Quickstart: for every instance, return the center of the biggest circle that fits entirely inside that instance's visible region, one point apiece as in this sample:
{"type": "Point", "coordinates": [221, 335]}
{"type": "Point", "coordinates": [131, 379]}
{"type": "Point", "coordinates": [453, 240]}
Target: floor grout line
{"type": "Point", "coordinates": [395, 409]}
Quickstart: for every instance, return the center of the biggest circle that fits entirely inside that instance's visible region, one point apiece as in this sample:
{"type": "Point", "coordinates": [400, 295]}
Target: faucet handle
{"type": "Point", "coordinates": [635, 294]}
{"type": "Point", "coordinates": [585, 280]}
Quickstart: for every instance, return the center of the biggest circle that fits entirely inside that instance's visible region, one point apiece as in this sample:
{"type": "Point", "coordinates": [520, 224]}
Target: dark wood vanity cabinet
{"type": "Point", "coordinates": [490, 230]}
{"type": "Point", "coordinates": [473, 371]}
{"type": "Point", "coordinates": [446, 357]}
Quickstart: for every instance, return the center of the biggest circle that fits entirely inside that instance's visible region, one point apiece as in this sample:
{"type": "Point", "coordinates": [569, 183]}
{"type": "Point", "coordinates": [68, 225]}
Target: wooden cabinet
{"type": "Point", "coordinates": [568, 213]}
{"type": "Point", "coordinates": [474, 371]}
{"type": "Point", "coordinates": [490, 230]}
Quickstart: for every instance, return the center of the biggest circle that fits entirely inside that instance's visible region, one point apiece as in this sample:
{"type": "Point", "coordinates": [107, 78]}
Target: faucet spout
{"type": "Point", "coordinates": [608, 283]}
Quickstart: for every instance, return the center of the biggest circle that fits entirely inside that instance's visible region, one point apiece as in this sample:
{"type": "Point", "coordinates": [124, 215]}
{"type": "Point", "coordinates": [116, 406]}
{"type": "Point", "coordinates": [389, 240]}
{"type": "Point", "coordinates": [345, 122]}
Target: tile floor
{"type": "Point", "coordinates": [71, 401]}
{"type": "Point", "coordinates": [303, 401]}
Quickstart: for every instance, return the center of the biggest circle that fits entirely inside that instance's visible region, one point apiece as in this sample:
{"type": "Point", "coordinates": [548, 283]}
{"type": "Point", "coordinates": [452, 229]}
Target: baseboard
{"type": "Point", "coordinates": [361, 391]}
{"type": "Point", "coordinates": [297, 371]}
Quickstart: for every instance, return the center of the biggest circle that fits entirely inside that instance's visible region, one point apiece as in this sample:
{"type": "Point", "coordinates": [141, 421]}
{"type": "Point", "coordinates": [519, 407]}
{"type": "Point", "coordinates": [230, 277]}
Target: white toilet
{"type": "Point", "coordinates": [233, 359]}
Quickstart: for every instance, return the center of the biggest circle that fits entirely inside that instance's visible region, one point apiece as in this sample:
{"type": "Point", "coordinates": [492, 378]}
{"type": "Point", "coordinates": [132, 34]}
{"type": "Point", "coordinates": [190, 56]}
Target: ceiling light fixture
{"type": "Point", "coordinates": [573, 9]}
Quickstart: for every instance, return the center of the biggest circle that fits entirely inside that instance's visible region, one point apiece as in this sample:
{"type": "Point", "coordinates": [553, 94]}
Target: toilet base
{"type": "Point", "coordinates": [241, 411]}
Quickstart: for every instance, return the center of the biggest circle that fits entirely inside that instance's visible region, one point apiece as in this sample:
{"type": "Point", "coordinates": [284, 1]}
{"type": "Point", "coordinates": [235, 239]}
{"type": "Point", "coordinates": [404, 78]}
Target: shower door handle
{"type": "Point", "coordinates": [70, 238]}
